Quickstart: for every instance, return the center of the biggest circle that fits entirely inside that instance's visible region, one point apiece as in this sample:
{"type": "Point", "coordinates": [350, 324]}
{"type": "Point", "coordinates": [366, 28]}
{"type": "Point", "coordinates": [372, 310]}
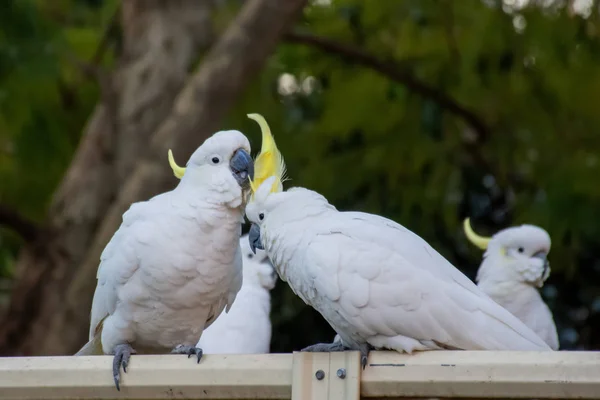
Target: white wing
{"type": "Point", "coordinates": [120, 260]}
{"type": "Point", "coordinates": [389, 284]}
{"type": "Point", "coordinates": [238, 279]}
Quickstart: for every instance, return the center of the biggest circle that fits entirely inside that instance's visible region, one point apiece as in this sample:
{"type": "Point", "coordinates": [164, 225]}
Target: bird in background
{"type": "Point", "coordinates": [246, 328]}
{"type": "Point", "coordinates": [379, 285]}
{"type": "Point", "coordinates": [175, 262]}
{"type": "Point", "coordinates": [514, 267]}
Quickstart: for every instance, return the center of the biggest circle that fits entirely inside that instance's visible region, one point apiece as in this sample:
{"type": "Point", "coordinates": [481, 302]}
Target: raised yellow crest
{"type": "Point", "coordinates": [177, 170]}
{"type": "Point", "coordinates": [479, 241]}
{"type": "Point", "coordinates": [269, 161]}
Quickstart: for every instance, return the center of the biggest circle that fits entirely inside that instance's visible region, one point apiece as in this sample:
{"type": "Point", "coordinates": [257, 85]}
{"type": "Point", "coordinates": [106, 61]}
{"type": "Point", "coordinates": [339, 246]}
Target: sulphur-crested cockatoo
{"type": "Point", "coordinates": [377, 284]}
{"type": "Point", "coordinates": [514, 266]}
{"type": "Point", "coordinates": [175, 262]}
{"type": "Point", "coordinates": [246, 328]}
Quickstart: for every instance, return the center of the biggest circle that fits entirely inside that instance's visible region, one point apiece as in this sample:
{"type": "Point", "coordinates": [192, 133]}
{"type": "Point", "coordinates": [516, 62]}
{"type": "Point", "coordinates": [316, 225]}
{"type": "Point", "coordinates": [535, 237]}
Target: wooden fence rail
{"type": "Point", "coordinates": [307, 376]}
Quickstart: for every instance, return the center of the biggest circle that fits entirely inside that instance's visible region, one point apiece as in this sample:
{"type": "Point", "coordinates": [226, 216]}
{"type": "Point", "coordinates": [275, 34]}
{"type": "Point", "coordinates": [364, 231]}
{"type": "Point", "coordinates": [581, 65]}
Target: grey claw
{"type": "Point", "coordinates": [338, 346]}
{"type": "Point", "coordinates": [116, 369]}
{"type": "Point", "coordinates": [324, 348]}
{"type": "Point", "coordinates": [116, 379]}
{"type": "Point", "coordinates": [122, 354]}
{"type": "Point", "coordinates": [189, 350]}
{"type": "Point", "coordinates": [365, 349]}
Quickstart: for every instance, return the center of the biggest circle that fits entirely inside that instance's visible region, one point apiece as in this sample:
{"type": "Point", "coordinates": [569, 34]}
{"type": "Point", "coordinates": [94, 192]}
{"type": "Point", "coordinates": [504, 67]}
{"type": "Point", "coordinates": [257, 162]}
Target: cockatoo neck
{"type": "Point", "coordinates": [496, 268]}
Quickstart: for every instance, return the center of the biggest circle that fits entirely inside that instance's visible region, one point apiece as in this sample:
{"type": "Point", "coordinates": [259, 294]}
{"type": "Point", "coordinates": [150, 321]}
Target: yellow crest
{"type": "Point", "coordinates": [177, 170]}
{"type": "Point", "coordinates": [269, 161]}
{"type": "Point", "coordinates": [479, 241]}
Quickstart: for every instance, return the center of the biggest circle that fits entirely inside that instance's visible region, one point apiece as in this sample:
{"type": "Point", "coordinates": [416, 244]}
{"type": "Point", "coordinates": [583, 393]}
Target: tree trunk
{"type": "Point", "coordinates": [161, 40]}
{"type": "Point", "coordinates": [63, 287]}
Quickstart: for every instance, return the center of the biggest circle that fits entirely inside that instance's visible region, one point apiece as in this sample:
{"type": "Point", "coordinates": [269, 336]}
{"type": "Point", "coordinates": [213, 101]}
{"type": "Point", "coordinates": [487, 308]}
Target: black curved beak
{"type": "Point", "coordinates": [254, 238]}
{"type": "Point", "coordinates": [242, 167]}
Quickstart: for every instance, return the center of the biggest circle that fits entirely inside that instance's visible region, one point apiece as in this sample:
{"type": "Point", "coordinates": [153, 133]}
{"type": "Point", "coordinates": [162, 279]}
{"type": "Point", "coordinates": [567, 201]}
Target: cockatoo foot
{"type": "Point", "coordinates": [325, 347]}
{"type": "Point", "coordinates": [122, 354]}
{"type": "Point", "coordinates": [364, 356]}
{"type": "Point", "coordinates": [189, 350]}
{"type": "Point", "coordinates": [338, 346]}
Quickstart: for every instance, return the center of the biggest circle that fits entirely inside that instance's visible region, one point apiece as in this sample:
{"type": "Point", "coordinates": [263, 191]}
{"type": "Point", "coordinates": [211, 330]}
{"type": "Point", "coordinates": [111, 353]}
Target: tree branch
{"type": "Point", "coordinates": [111, 28]}
{"type": "Point", "coordinates": [396, 72]}
{"type": "Point", "coordinates": [12, 219]}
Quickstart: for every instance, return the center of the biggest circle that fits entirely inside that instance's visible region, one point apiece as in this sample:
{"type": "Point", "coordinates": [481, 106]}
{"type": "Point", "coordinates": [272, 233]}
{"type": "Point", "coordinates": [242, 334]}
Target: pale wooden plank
{"type": "Point", "coordinates": [344, 385]}
{"type": "Point", "coordinates": [483, 374]}
{"type": "Point", "coordinates": [305, 384]}
{"type": "Point", "coordinates": [266, 376]}
{"type": "Point", "coordinates": [437, 374]}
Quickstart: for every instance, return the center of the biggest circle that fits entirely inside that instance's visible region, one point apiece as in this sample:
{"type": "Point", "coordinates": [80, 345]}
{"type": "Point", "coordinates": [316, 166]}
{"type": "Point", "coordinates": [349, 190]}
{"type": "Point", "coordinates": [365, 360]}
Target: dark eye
{"type": "Point", "coordinates": [215, 160]}
{"type": "Point", "coordinates": [250, 255]}
{"type": "Point", "coordinates": [521, 249]}
{"type": "Point", "coordinates": [261, 216]}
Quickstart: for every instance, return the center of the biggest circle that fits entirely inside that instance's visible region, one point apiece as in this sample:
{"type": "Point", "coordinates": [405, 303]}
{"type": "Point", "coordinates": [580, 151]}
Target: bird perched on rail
{"type": "Point", "coordinates": [514, 266]}
{"type": "Point", "coordinates": [175, 262]}
{"type": "Point", "coordinates": [378, 285]}
{"type": "Point", "coordinates": [246, 328]}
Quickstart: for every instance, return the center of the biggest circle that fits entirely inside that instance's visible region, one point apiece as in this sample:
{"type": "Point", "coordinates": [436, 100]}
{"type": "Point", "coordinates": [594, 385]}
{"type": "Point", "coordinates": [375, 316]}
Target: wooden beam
{"type": "Point", "coordinates": [483, 374]}
{"type": "Point", "coordinates": [326, 376]}
{"type": "Point", "coordinates": [439, 374]}
{"type": "Point", "coordinates": [148, 377]}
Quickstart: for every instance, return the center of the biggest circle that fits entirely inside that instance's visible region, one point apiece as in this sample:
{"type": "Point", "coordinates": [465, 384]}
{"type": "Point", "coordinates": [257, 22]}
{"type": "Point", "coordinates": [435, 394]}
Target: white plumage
{"type": "Point", "coordinates": [175, 262]}
{"type": "Point", "coordinates": [376, 282]}
{"type": "Point", "coordinates": [513, 268]}
{"type": "Point", "coordinates": [246, 328]}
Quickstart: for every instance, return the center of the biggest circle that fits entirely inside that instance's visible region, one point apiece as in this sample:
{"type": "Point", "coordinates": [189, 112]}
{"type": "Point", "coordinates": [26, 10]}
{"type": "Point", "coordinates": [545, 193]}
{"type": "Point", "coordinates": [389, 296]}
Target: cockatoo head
{"type": "Point", "coordinates": [258, 270]}
{"type": "Point", "coordinates": [294, 204]}
{"type": "Point", "coordinates": [223, 156]}
{"type": "Point", "coordinates": [517, 253]}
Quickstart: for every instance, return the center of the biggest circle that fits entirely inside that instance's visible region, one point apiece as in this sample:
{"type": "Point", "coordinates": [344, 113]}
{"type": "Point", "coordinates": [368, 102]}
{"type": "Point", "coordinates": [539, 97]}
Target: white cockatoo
{"type": "Point", "coordinates": [377, 284]}
{"type": "Point", "coordinates": [175, 262]}
{"type": "Point", "coordinates": [514, 266]}
{"type": "Point", "coordinates": [246, 328]}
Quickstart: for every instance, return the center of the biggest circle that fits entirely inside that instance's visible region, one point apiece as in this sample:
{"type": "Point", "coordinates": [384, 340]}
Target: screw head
{"type": "Point", "coordinates": [341, 373]}
{"type": "Point", "coordinates": [320, 374]}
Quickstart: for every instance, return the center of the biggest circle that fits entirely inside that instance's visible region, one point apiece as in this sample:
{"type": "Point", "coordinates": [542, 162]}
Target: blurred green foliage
{"type": "Point", "coordinates": [362, 138]}
{"type": "Point", "coordinates": [45, 100]}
